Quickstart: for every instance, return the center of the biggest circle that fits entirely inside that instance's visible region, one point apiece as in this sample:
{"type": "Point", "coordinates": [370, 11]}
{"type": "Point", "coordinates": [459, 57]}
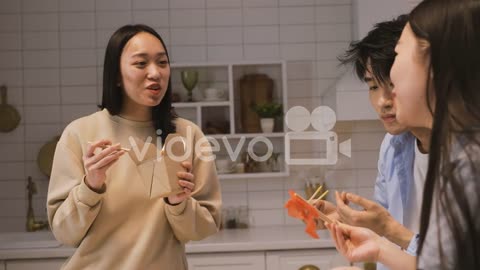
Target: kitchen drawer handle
{"type": "Point", "coordinates": [309, 267]}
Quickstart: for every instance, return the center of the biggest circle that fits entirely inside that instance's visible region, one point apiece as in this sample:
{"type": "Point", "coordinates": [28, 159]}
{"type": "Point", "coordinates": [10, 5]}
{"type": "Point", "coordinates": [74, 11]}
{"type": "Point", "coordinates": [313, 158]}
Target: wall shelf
{"type": "Point", "coordinates": [201, 104]}
{"type": "Point", "coordinates": [248, 135]}
{"type": "Point", "coordinates": [226, 118]}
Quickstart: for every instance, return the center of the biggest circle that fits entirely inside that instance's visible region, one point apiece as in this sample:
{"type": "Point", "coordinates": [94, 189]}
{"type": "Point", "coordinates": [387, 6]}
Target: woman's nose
{"type": "Point", "coordinates": [153, 72]}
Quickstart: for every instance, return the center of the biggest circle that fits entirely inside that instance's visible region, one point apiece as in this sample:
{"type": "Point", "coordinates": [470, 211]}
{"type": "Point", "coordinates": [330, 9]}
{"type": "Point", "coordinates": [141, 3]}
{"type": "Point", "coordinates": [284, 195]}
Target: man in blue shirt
{"type": "Point", "coordinates": [403, 158]}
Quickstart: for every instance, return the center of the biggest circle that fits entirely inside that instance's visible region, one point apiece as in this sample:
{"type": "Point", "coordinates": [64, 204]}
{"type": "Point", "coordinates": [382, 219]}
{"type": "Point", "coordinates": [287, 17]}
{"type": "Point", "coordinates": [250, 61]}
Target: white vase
{"type": "Point", "coordinates": [267, 124]}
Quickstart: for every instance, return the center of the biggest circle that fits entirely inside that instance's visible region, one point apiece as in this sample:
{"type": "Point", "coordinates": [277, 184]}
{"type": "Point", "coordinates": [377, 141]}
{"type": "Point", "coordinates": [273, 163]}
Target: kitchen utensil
{"type": "Point", "coordinates": [9, 116]}
{"type": "Point", "coordinates": [45, 156]}
{"type": "Point", "coordinates": [105, 146]}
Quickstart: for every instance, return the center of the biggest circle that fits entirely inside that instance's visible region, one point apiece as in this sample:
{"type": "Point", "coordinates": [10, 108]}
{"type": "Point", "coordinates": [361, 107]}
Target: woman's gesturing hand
{"type": "Point", "coordinates": [355, 243]}
{"type": "Point", "coordinates": [97, 164]}
{"type": "Point", "coordinates": [186, 182]}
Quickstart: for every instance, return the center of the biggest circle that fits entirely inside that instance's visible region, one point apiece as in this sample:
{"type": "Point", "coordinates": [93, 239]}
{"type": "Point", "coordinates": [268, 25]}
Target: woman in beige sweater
{"type": "Point", "coordinates": [97, 199]}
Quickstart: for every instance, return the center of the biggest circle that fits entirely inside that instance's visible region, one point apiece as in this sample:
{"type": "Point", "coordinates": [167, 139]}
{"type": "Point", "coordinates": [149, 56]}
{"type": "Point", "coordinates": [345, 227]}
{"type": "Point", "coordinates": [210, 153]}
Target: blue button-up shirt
{"type": "Point", "coordinates": [395, 175]}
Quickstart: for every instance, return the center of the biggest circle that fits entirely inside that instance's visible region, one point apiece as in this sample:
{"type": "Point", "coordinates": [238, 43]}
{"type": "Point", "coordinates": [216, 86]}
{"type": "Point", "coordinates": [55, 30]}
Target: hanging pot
{"type": "Point", "coordinates": [9, 116]}
{"type": "Point", "coordinates": [45, 156]}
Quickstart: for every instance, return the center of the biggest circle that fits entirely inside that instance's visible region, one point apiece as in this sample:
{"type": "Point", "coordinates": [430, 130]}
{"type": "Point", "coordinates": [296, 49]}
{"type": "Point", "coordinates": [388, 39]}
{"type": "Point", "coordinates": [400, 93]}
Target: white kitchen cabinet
{"type": "Point", "coordinates": [257, 260]}
{"type": "Point", "coordinates": [36, 264]}
{"type": "Point", "coordinates": [230, 261]}
{"type": "Point", "coordinates": [323, 259]}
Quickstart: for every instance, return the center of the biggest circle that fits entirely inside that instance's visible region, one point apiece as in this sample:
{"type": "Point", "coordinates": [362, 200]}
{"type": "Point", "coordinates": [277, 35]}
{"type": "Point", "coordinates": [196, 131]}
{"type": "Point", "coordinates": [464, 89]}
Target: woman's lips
{"type": "Point", "coordinates": [154, 86]}
{"type": "Point", "coordinates": [155, 90]}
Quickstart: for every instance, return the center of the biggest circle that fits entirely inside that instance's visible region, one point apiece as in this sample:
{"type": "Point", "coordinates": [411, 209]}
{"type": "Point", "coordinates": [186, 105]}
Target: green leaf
{"type": "Point", "coordinates": [268, 110]}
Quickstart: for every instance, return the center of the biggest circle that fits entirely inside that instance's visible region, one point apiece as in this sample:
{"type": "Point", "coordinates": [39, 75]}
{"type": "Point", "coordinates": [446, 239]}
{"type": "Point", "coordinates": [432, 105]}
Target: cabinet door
{"type": "Point", "coordinates": [323, 259]}
{"type": "Point", "coordinates": [227, 261]}
{"type": "Point", "coordinates": [40, 264]}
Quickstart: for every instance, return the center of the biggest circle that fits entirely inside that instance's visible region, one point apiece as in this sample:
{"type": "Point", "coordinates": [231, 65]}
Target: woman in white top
{"type": "Point", "coordinates": [436, 77]}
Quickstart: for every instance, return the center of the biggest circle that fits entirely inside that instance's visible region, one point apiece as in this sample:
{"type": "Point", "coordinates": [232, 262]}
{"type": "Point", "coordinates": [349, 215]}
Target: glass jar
{"type": "Point", "coordinates": [243, 218]}
{"type": "Point", "coordinates": [230, 218]}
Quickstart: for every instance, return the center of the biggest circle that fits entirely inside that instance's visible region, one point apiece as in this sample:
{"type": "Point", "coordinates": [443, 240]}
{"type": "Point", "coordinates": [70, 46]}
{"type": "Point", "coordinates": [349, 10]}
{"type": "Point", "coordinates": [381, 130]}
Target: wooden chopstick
{"type": "Point", "coordinates": [315, 193]}
{"type": "Point", "coordinates": [104, 146]}
{"type": "Point", "coordinates": [321, 197]}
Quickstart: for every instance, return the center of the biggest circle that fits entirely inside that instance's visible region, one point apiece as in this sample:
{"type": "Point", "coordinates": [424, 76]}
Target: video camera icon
{"type": "Point", "coordinates": [323, 119]}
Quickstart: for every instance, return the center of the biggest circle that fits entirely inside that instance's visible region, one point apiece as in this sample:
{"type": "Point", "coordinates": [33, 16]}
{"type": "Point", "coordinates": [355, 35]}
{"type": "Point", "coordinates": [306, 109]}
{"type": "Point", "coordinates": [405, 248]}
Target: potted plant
{"type": "Point", "coordinates": [267, 113]}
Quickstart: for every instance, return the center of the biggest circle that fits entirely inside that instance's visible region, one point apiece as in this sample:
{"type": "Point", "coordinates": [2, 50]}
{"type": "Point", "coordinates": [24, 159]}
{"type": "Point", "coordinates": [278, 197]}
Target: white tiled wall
{"type": "Point", "coordinates": [51, 55]}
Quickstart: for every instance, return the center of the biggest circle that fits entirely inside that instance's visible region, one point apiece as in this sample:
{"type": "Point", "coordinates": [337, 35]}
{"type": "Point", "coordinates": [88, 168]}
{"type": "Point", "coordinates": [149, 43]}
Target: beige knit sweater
{"type": "Point", "coordinates": [122, 228]}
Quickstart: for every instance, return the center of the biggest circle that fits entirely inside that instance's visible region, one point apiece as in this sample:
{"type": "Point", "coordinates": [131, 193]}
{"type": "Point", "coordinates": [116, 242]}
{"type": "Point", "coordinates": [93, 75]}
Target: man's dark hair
{"type": "Point", "coordinates": [379, 47]}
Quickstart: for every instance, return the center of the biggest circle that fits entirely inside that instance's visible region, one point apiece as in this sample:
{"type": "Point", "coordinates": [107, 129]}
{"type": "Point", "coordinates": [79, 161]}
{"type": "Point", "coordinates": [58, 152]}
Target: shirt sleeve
{"type": "Point", "coordinates": [413, 245]}
{"type": "Point", "coordinates": [71, 205]}
{"type": "Point", "coordinates": [198, 216]}
{"type": "Point", "coordinates": [380, 193]}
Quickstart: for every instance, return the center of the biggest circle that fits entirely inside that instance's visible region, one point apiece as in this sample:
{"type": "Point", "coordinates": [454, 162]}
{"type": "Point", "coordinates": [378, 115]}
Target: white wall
{"type": "Point", "coordinates": [51, 55]}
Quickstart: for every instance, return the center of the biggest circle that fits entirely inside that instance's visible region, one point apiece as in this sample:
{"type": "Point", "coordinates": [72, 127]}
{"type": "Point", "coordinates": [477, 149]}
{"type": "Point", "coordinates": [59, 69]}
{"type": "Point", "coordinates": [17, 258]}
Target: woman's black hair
{"type": "Point", "coordinates": [452, 30]}
{"type": "Point", "coordinates": [163, 115]}
{"type": "Point", "coordinates": [378, 46]}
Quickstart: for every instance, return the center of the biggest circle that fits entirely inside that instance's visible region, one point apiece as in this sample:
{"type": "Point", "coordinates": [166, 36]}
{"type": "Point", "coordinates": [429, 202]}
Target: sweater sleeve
{"type": "Point", "coordinates": [198, 216]}
{"type": "Point", "coordinates": [71, 205]}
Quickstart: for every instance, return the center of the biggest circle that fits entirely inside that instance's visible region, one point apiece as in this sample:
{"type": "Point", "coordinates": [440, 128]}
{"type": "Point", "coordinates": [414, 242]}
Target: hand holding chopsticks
{"type": "Point", "coordinates": [304, 210]}
{"type": "Point", "coordinates": [96, 163]}
{"type": "Point", "coordinates": [312, 201]}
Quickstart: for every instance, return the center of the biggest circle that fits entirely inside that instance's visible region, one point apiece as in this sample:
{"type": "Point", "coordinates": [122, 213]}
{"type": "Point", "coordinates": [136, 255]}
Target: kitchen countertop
{"type": "Point", "coordinates": [237, 240]}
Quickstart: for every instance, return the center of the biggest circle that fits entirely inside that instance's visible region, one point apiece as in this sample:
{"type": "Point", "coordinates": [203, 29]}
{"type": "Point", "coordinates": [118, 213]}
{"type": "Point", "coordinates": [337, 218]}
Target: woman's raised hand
{"type": "Point", "coordinates": [186, 182]}
{"type": "Point", "coordinates": [97, 164]}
